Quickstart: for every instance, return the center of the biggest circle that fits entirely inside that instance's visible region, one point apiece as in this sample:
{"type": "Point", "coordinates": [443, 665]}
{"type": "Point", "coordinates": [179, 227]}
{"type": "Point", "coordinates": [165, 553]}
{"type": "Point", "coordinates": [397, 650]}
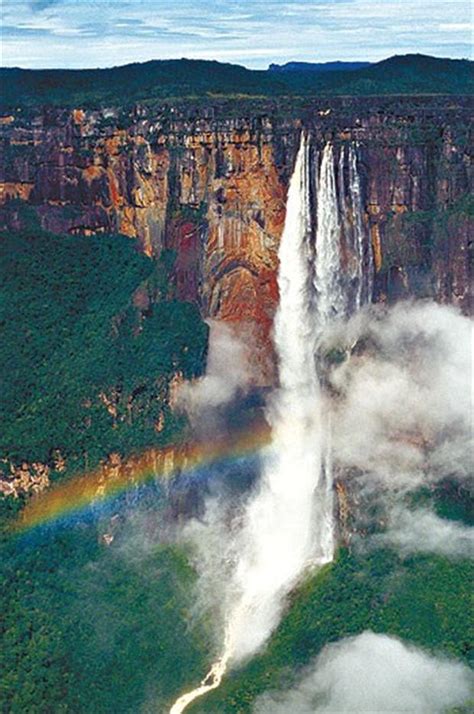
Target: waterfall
{"type": "Point", "coordinates": [331, 298]}
{"type": "Point", "coordinates": [340, 289]}
{"type": "Point", "coordinates": [288, 523]}
{"type": "Point", "coordinates": [342, 286]}
{"type": "Point", "coordinates": [277, 540]}
{"type": "Point", "coordinates": [364, 272]}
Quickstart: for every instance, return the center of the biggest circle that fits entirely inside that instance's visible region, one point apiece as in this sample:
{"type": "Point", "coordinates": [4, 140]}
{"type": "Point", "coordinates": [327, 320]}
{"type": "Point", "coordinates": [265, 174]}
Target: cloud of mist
{"type": "Point", "coordinates": [227, 372]}
{"type": "Point", "coordinates": [371, 674]}
{"type": "Point", "coordinates": [214, 554]}
{"type": "Point", "coordinates": [423, 531]}
{"type": "Point", "coordinates": [402, 410]}
{"type": "Point", "coordinates": [400, 413]}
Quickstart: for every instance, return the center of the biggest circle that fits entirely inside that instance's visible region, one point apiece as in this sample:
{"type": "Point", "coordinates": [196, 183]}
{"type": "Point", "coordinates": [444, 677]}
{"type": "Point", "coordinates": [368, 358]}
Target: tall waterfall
{"type": "Point", "coordinates": [342, 279]}
{"type": "Point", "coordinates": [343, 273]}
{"type": "Point", "coordinates": [288, 524]}
{"type": "Point", "coordinates": [331, 298]}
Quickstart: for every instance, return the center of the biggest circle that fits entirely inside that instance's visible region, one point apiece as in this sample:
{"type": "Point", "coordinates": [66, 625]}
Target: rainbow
{"type": "Point", "coordinates": [108, 481]}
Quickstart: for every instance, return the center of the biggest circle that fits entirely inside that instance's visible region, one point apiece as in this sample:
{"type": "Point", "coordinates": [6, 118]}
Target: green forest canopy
{"type": "Point", "coordinates": [172, 79]}
{"type": "Point", "coordinates": [70, 332]}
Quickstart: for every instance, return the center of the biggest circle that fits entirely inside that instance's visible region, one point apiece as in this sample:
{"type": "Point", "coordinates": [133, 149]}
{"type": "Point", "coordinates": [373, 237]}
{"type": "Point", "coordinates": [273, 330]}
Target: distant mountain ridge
{"type": "Point", "coordinates": [318, 66]}
{"type": "Point", "coordinates": [170, 80]}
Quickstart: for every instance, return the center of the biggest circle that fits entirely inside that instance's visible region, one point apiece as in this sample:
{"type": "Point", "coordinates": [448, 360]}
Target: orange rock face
{"type": "Point", "coordinates": [10, 191]}
{"type": "Point", "coordinates": [244, 218]}
{"type": "Point", "coordinates": [210, 193]}
{"type": "Point", "coordinates": [229, 186]}
{"type": "Point", "coordinates": [212, 188]}
{"type": "Point", "coordinates": [127, 182]}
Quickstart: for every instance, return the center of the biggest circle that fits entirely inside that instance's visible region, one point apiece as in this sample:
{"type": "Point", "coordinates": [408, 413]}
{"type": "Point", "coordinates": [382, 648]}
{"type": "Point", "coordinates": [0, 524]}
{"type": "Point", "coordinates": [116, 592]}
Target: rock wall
{"type": "Point", "coordinates": [212, 188]}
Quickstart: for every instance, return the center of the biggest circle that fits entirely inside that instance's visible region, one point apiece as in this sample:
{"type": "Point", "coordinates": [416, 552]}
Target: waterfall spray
{"type": "Point", "coordinates": [288, 524]}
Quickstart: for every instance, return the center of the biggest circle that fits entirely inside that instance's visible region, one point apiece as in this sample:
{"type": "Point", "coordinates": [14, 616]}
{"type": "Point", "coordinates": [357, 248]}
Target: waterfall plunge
{"type": "Point", "coordinates": [278, 540]}
{"type": "Point", "coordinates": [288, 524]}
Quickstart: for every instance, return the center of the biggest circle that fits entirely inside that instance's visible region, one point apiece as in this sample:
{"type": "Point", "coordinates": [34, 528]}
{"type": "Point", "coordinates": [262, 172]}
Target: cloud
{"type": "Point", "coordinates": [39, 5]}
{"type": "Point", "coordinates": [227, 373]}
{"type": "Point", "coordinates": [399, 408]}
{"type": "Point", "coordinates": [456, 26]}
{"type": "Point", "coordinates": [402, 400]}
{"type": "Point", "coordinates": [374, 674]}
{"type": "Point", "coordinates": [214, 554]}
{"type": "Point", "coordinates": [423, 531]}
{"type": "Point", "coordinates": [287, 29]}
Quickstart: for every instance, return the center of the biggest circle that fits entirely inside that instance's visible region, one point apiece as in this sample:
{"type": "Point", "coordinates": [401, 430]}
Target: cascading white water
{"type": "Point", "coordinates": [350, 279]}
{"type": "Point", "coordinates": [340, 289]}
{"type": "Point", "coordinates": [331, 300]}
{"type": "Point", "coordinates": [361, 245]}
{"type": "Point", "coordinates": [288, 524]}
{"type": "Point", "coordinates": [278, 538]}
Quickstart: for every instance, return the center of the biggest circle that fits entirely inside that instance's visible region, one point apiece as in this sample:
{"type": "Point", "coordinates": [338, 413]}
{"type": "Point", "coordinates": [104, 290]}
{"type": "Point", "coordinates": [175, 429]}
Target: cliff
{"type": "Point", "coordinates": [211, 185]}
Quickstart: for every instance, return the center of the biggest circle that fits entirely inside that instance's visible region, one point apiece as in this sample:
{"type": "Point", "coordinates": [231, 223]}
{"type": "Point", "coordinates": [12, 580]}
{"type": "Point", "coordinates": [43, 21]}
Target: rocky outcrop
{"type": "Point", "coordinates": [25, 479]}
{"type": "Point", "coordinates": [114, 475]}
{"type": "Point", "coordinates": [212, 188]}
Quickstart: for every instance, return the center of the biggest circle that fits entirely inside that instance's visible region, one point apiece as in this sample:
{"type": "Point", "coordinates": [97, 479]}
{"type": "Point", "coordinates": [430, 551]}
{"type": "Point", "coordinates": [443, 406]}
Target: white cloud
{"type": "Point", "coordinates": [321, 31]}
{"type": "Point", "coordinates": [374, 674]}
{"type": "Point", "coordinates": [227, 372]}
{"type": "Point", "coordinates": [456, 27]}
{"type": "Point", "coordinates": [403, 413]}
{"type": "Point", "coordinates": [423, 531]}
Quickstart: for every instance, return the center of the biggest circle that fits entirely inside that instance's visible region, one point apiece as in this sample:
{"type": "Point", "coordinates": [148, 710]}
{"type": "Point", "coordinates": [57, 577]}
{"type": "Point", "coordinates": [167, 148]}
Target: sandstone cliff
{"type": "Point", "coordinates": [212, 187]}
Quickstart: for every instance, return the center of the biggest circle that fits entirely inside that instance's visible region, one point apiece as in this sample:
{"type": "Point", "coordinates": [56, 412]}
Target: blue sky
{"type": "Point", "coordinates": [103, 33]}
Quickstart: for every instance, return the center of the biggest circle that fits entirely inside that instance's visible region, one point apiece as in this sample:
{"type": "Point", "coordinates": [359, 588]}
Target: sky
{"type": "Point", "coordinates": [104, 33]}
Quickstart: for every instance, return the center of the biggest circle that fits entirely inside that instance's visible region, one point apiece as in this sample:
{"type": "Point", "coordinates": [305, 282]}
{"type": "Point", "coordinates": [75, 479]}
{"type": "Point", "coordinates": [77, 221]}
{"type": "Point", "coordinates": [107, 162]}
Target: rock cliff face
{"type": "Point", "coordinates": [213, 189]}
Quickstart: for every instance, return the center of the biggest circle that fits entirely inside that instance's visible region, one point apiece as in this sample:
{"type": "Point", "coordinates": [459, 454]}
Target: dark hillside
{"type": "Point", "coordinates": [173, 79]}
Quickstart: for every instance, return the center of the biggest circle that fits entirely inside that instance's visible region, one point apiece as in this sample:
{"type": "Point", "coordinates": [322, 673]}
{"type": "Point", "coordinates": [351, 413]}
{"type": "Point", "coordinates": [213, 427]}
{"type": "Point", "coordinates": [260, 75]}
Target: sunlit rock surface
{"type": "Point", "coordinates": [212, 187]}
